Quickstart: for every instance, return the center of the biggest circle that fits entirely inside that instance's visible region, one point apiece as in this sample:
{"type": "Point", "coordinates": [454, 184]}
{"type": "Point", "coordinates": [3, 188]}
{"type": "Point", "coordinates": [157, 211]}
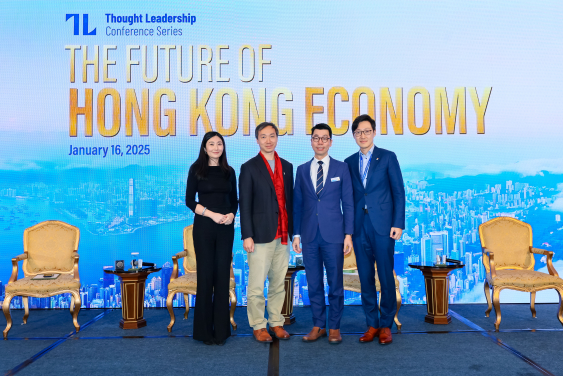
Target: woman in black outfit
{"type": "Point", "coordinates": [214, 181]}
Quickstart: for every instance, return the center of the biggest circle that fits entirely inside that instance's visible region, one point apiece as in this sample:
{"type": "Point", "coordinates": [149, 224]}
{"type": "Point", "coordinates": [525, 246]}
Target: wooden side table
{"type": "Point", "coordinates": [436, 282]}
{"type": "Point", "coordinates": [132, 296]}
{"type": "Point", "coordinates": [287, 309]}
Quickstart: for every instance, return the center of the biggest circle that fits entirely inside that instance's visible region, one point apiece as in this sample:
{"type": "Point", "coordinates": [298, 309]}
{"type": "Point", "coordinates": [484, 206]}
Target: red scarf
{"type": "Point", "coordinates": [277, 179]}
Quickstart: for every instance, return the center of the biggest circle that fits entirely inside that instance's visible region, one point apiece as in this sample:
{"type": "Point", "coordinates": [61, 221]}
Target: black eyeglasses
{"type": "Point", "coordinates": [324, 138]}
{"type": "Point", "coordinates": [365, 133]}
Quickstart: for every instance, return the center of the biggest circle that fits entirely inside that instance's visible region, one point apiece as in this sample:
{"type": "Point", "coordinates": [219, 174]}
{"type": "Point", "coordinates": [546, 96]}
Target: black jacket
{"type": "Point", "coordinates": [258, 202]}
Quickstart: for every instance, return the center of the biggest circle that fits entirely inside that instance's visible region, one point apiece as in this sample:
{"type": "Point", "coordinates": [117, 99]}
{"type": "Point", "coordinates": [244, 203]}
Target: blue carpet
{"type": "Point", "coordinates": [543, 347]}
{"type": "Point", "coordinates": [45, 323]}
{"type": "Point", "coordinates": [424, 354]}
{"type": "Point", "coordinates": [103, 348]}
{"type": "Point", "coordinates": [514, 316]}
{"type": "Point", "coordinates": [14, 352]}
{"type": "Point", "coordinates": [167, 356]}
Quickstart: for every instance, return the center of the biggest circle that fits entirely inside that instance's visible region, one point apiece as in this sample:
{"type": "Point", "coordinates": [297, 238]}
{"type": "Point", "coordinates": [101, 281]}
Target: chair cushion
{"type": "Point", "coordinates": [352, 282]}
{"type": "Point", "coordinates": [64, 282]}
{"type": "Point", "coordinates": [189, 282]}
{"type": "Point", "coordinates": [526, 279]}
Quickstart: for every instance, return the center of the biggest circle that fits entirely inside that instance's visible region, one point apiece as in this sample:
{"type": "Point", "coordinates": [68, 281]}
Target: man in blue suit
{"type": "Point", "coordinates": [323, 219]}
{"type": "Point", "coordinates": [379, 220]}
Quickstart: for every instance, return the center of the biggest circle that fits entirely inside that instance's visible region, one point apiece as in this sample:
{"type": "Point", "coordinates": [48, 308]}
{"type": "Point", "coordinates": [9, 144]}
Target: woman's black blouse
{"type": "Point", "coordinates": [217, 192]}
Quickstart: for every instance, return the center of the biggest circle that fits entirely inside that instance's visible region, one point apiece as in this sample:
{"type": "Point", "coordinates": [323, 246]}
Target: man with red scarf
{"type": "Point", "coordinates": [266, 212]}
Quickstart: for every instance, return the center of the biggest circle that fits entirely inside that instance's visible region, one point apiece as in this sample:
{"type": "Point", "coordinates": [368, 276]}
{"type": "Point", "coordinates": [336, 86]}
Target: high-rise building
{"type": "Point", "coordinates": [454, 254]}
{"type": "Point", "coordinates": [157, 281]}
{"type": "Point", "coordinates": [403, 286]}
{"type": "Point", "coordinates": [461, 247]}
{"type": "Point", "coordinates": [239, 263]}
{"type": "Point", "coordinates": [481, 268]}
{"type": "Point", "coordinates": [399, 263]}
{"type": "Point", "coordinates": [450, 238]}
{"type": "Point", "coordinates": [180, 299]}
{"type": "Point", "coordinates": [439, 242]}
{"type": "Point", "coordinates": [468, 262]}
{"type": "Point", "coordinates": [238, 276]}
{"type": "Point", "coordinates": [92, 293]}
{"type": "Point", "coordinates": [109, 279]}
{"type": "Point", "coordinates": [166, 272]}
{"type": "Point", "coordinates": [131, 198]}
{"type": "Point", "coordinates": [426, 249]}
{"type": "Point", "coordinates": [305, 296]}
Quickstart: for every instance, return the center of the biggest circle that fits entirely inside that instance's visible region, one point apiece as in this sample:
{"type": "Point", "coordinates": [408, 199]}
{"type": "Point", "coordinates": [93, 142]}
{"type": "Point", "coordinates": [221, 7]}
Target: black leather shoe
{"type": "Point", "coordinates": [208, 343]}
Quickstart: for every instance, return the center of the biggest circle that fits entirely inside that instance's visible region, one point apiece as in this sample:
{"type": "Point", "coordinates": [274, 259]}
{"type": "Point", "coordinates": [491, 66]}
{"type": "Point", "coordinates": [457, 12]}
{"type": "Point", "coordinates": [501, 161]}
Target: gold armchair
{"type": "Point", "coordinates": [49, 247]}
{"type": "Point", "coordinates": [187, 284]}
{"type": "Point", "coordinates": [509, 263]}
{"type": "Point", "coordinates": [352, 282]}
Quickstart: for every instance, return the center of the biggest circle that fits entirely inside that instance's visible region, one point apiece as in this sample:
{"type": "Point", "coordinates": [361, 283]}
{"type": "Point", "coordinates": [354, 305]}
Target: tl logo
{"type": "Point", "coordinates": [76, 18]}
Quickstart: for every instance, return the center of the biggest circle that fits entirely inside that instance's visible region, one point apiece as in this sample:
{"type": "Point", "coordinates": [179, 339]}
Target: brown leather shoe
{"type": "Point", "coordinates": [279, 332]}
{"type": "Point", "coordinates": [334, 337]}
{"type": "Point", "coordinates": [262, 335]}
{"type": "Point", "coordinates": [370, 335]}
{"type": "Point", "coordinates": [314, 334]}
{"type": "Point", "coordinates": [385, 337]}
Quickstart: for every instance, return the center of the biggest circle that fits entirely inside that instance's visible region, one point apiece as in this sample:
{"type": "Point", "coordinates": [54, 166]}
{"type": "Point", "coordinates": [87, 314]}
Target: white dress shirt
{"type": "Point", "coordinates": [315, 168]}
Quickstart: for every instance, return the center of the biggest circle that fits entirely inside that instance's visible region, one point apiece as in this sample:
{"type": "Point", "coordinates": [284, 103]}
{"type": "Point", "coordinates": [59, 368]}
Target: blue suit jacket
{"type": "Point", "coordinates": [384, 193]}
{"type": "Point", "coordinates": [332, 212]}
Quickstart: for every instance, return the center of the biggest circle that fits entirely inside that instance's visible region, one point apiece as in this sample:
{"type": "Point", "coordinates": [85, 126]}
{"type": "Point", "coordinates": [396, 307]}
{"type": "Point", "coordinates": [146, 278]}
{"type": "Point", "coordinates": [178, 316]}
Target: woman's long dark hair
{"type": "Point", "coordinates": [202, 163]}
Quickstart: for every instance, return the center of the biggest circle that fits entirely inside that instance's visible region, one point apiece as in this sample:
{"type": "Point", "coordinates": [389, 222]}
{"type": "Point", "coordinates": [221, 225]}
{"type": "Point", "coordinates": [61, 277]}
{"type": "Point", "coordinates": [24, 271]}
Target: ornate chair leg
{"type": "Point", "coordinates": [26, 308]}
{"type": "Point", "coordinates": [533, 303]}
{"type": "Point", "coordinates": [233, 296]}
{"type": "Point", "coordinates": [496, 303]}
{"type": "Point", "coordinates": [488, 296]}
{"type": "Point", "coordinates": [71, 305]}
{"type": "Point", "coordinates": [187, 302]}
{"type": "Point", "coordinates": [399, 299]}
{"type": "Point", "coordinates": [6, 310]}
{"type": "Point", "coordinates": [76, 309]}
{"type": "Point", "coordinates": [560, 311]}
{"type": "Point", "coordinates": [170, 311]}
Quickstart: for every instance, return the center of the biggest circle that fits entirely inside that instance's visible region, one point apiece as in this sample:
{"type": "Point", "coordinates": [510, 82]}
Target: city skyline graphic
{"type": "Point", "coordinates": [146, 213]}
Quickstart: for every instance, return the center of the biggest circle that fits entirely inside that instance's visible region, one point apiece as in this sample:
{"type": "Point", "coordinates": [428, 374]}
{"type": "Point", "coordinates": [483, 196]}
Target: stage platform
{"type": "Point", "coordinates": [47, 345]}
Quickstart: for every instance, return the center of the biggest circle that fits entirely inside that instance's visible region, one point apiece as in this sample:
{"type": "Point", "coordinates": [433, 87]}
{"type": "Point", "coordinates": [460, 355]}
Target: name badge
{"type": "Point", "coordinates": [335, 179]}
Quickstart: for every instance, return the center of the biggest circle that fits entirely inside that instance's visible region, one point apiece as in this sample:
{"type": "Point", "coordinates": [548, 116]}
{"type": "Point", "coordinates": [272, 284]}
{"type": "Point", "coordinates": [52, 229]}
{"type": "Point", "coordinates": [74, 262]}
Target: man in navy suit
{"type": "Point", "coordinates": [323, 219]}
{"type": "Point", "coordinates": [379, 220]}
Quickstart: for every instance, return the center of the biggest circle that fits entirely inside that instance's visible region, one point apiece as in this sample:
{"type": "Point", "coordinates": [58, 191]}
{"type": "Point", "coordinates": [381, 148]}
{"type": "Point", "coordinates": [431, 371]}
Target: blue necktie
{"type": "Point", "coordinates": [319, 179]}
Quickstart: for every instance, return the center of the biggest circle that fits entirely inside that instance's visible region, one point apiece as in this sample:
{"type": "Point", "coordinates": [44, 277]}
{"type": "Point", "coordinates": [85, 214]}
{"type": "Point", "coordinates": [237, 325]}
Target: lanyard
{"type": "Point", "coordinates": [364, 172]}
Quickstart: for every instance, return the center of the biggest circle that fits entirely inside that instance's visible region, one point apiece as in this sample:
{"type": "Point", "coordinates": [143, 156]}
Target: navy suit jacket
{"type": "Point", "coordinates": [332, 212]}
{"type": "Point", "coordinates": [384, 193]}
